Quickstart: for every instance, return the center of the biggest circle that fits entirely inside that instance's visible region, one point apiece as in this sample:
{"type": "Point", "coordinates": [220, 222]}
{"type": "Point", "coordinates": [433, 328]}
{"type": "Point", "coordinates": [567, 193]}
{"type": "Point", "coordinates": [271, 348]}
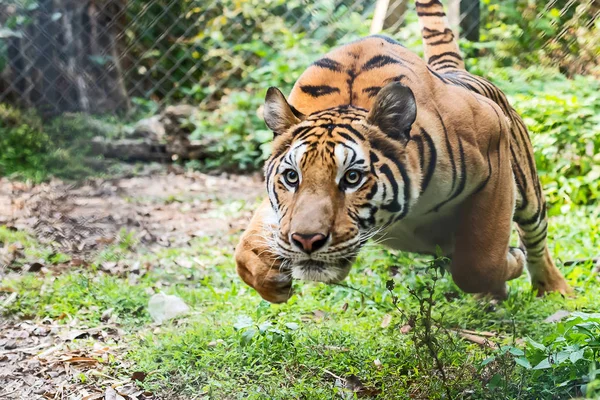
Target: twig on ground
{"type": "Point", "coordinates": [334, 375]}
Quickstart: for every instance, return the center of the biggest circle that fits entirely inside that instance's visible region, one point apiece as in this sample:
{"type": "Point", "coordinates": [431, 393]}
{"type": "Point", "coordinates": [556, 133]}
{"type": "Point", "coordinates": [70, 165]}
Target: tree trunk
{"type": "Point", "coordinates": [395, 14]}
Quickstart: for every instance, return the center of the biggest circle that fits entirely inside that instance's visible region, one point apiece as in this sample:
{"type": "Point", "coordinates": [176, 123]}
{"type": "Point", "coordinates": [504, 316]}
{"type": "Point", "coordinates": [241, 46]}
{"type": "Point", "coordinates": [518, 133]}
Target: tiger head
{"type": "Point", "coordinates": [337, 177]}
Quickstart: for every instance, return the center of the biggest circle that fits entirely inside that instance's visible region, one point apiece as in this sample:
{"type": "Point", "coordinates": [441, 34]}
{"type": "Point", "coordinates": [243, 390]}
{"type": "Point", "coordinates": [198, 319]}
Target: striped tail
{"type": "Point", "coordinates": [441, 49]}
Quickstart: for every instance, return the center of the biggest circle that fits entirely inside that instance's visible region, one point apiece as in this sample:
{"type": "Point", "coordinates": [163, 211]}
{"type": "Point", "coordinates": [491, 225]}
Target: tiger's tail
{"type": "Point", "coordinates": [441, 48]}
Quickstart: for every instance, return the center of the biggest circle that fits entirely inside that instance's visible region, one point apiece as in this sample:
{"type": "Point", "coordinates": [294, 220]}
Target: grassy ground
{"type": "Point", "coordinates": [393, 330]}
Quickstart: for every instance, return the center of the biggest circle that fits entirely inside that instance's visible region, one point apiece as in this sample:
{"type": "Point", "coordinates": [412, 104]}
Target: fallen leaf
{"type": "Point", "coordinates": [405, 329]}
{"type": "Point", "coordinates": [35, 267]}
{"type": "Point", "coordinates": [111, 394]}
{"type": "Point", "coordinates": [557, 316]}
{"type": "Point", "coordinates": [106, 315]}
{"type": "Point", "coordinates": [73, 334]}
{"type": "Point", "coordinates": [486, 334]}
{"type": "Point", "coordinates": [81, 360]}
{"type": "Point", "coordinates": [138, 376]}
{"type": "Point", "coordinates": [387, 318]}
{"type": "Point", "coordinates": [480, 340]}
{"type": "Point", "coordinates": [163, 307]}
{"type": "Point", "coordinates": [318, 315]}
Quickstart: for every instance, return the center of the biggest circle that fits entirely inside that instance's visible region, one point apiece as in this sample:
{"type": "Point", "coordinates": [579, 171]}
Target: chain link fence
{"type": "Point", "coordinates": [106, 56]}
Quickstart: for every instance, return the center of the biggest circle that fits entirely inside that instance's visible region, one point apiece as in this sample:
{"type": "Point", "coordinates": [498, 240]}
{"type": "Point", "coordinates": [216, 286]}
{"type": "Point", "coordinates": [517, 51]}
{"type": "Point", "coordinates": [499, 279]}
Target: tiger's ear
{"type": "Point", "coordinates": [278, 113]}
{"type": "Point", "coordinates": [394, 111]}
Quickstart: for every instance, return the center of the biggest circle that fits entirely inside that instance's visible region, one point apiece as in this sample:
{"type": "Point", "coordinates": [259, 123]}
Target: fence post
{"type": "Point", "coordinates": [470, 18]}
{"type": "Point", "coordinates": [45, 60]}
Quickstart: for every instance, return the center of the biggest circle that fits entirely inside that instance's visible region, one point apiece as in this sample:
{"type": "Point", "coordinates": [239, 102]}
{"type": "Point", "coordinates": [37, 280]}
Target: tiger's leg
{"type": "Point", "coordinates": [532, 227]}
{"type": "Point", "coordinates": [482, 261]}
{"type": "Point", "coordinates": [257, 265]}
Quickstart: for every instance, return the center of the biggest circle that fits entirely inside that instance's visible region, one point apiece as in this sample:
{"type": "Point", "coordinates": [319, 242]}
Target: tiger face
{"type": "Point", "coordinates": [335, 178]}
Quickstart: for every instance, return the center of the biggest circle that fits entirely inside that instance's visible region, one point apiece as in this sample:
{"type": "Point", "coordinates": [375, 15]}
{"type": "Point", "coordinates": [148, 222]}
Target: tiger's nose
{"type": "Point", "coordinates": [309, 242]}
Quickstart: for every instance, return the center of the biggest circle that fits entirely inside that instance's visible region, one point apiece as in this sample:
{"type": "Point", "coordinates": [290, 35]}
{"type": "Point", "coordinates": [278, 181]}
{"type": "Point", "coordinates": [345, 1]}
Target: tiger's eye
{"type": "Point", "coordinates": [291, 177]}
{"type": "Point", "coordinates": [352, 177]}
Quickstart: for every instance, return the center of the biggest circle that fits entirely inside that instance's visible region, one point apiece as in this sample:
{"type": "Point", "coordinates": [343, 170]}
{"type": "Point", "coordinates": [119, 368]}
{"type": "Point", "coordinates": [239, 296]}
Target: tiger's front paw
{"type": "Point", "coordinates": [259, 269]}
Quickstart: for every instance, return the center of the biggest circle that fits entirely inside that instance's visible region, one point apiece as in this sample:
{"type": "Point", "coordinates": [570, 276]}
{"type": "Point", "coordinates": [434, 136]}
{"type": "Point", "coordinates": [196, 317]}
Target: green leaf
{"type": "Point", "coordinates": [243, 321]}
{"type": "Point", "coordinates": [248, 335]}
{"type": "Point", "coordinates": [535, 344]}
{"type": "Point", "coordinates": [544, 364]}
{"type": "Point", "coordinates": [523, 362]}
{"type": "Point", "coordinates": [264, 326]}
{"type": "Point", "coordinates": [488, 360]}
{"type": "Point", "coordinates": [561, 357]}
{"type": "Point", "coordinates": [576, 356]}
{"type": "Point", "coordinates": [516, 352]}
{"type": "Point", "coordinates": [292, 325]}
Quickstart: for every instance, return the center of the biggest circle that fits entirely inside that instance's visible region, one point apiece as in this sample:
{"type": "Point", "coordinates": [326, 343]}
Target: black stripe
{"type": "Point", "coordinates": [441, 41]}
{"type": "Point", "coordinates": [537, 242]}
{"type": "Point", "coordinates": [446, 65]}
{"type": "Point", "coordinates": [436, 33]}
{"type": "Point", "coordinates": [443, 61]}
{"type": "Point", "coordinates": [437, 57]}
{"type": "Point", "coordinates": [372, 91]}
{"type": "Point", "coordinates": [318, 91]}
{"type": "Point", "coordinates": [388, 152]}
{"type": "Point", "coordinates": [329, 64]}
{"type": "Point", "coordinates": [372, 192]}
{"type": "Point", "coordinates": [350, 81]}
{"type": "Point", "coordinates": [300, 130]}
{"type": "Point", "coordinates": [431, 14]}
{"type": "Point", "coordinates": [432, 160]}
{"type": "Point", "coordinates": [437, 75]}
{"type": "Point", "coordinates": [394, 206]}
{"type": "Point", "coordinates": [379, 61]}
{"type": "Point", "coordinates": [347, 137]}
{"type": "Point", "coordinates": [352, 130]}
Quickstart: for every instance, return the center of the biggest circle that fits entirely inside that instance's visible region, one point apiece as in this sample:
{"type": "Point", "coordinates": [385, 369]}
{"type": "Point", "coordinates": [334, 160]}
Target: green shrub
{"type": "Point", "coordinates": [35, 150]}
{"type": "Point", "coordinates": [23, 144]}
{"type": "Point", "coordinates": [560, 33]}
{"type": "Point", "coordinates": [563, 117]}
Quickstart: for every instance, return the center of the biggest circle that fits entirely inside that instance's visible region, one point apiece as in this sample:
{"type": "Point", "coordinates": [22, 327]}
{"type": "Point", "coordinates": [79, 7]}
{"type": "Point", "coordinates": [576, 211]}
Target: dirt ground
{"type": "Point", "coordinates": [165, 208]}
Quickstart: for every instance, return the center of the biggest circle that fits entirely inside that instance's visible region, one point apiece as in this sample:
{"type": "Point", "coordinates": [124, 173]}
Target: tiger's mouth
{"type": "Point", "coordinates": [320, 271]}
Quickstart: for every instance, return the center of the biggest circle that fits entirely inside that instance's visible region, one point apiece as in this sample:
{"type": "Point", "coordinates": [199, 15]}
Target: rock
{"type": "Point", "coordinates": [163, 307]}
{"type": "Point", "coordinates": [180, 111]}
{"type": "Point", "coordinates": [149, 128]}
{"type": "Point", "coordinates": [129, 149]}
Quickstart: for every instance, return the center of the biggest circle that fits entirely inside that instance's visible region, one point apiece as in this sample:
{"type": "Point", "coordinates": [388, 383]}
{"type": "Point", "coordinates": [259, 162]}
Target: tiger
{"type": "Point", "coordinates": [375, 142]}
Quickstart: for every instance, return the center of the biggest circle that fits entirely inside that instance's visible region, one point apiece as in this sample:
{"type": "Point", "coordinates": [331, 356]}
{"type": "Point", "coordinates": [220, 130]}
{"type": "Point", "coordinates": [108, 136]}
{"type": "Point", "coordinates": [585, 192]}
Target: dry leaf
{"type": "Point", "coordinates": [387, 318]}
{"type": "Point", "coordinates": [557, 316]}
{"type": "Point", "coordinates": [138, 376]}
{"type": "Point", "coordinates": [480, 340]}
{"type": "Point", "coordinates": [163, 307]}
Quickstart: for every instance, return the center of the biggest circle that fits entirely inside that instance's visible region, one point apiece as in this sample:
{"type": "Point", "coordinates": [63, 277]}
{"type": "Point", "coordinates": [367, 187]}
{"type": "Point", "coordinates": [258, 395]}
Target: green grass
{"type": "Point", "coordinates": [233, 345]}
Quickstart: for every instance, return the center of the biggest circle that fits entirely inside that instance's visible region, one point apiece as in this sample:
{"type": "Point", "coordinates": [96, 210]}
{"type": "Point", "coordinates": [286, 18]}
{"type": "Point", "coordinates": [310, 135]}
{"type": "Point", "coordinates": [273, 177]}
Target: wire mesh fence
{"type": "Point", "coordinates": [101, 56]}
